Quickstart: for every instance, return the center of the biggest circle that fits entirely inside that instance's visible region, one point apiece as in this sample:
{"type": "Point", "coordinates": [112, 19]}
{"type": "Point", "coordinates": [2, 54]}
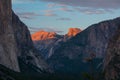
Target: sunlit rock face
{"type": "Point", "coordinates": [43, 35]}
{"type": "Point", "coordinates": [8, 46]}
{"type": "Point", "coordinates": [73, 32]}
{"type": "Point", "coordinates": [112, 59]}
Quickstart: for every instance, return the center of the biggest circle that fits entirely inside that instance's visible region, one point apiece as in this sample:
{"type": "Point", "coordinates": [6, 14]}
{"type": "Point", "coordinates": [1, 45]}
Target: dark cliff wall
{"type": "Point", "coordinates": [93, 40]}
{"type": "Point", "coordinates": [8, 46]}
{"type": "Point", "coordinates": [112, 59]}
{"type": "Point", "coordinates": [96, 37]}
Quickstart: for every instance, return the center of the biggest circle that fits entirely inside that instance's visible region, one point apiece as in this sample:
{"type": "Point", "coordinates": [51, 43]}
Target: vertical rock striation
{"type": "Point", "coordinates": [8, 46]}
{"type": "Point", "coordinates": [16, 44]}
{"type": "Point", "coordinates": [112, 59]}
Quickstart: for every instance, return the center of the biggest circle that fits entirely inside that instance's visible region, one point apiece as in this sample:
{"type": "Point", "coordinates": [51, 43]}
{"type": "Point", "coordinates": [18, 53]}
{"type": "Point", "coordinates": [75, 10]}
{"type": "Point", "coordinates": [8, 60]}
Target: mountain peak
{"type": "Point", "coordinates": [43, 35]}
{"type": "Point", "coordinates": [73, 31]}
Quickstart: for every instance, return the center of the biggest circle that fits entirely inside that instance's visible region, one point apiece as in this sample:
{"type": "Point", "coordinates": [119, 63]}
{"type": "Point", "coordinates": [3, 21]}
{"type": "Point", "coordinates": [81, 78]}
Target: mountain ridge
{"type": "Point", "coordinates": [93, 40]}
{"type": "Point", "coordinates": [47, 42]}
{"type": "Point", "coordinates": [44, 35]}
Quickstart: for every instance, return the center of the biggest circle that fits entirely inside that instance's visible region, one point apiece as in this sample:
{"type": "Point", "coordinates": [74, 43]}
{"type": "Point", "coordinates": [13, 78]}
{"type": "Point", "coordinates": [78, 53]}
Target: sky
{"type": "Point", "coordinates": [59, 15]}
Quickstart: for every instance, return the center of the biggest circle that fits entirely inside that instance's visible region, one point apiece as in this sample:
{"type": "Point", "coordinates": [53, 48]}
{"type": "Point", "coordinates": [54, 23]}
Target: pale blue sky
{"type": "Point", "coordinates": [59, 15]}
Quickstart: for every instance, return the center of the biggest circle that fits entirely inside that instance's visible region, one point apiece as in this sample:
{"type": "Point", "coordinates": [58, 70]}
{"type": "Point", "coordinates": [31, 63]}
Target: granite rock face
{"type": "Point", "coordinates": [43, 35]}
{"type": "Point", "coordinates": [73, 32]}
{"type": "Point", "coordinates": [8, 46]}
{"type": "Point", "coordinates": [112, 59]}
{"type": "Point", "coordinates": [16, 47]}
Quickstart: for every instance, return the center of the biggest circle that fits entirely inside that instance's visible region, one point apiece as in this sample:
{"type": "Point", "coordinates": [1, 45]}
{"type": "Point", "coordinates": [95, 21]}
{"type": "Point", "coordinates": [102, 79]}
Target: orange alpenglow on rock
{"type": "Point", "coordinates": [43, 35]}
{"type": "Point", "coordinates": [73, 31]}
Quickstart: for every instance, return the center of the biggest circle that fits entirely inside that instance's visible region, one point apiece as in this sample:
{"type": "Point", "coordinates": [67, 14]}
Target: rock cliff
{"type": "Point", "coordinates": [16, 47]}
{"type": "Point", "coordinates": [8, 46]}
{"type": "Point", "coordinates": [112, 59]}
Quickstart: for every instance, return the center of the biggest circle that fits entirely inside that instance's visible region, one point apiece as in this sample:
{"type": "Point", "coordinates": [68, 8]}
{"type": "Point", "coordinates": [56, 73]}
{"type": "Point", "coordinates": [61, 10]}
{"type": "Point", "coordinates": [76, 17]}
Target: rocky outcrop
{"type": "Point", "coordinates": [43, 35]}
{"type": "Point", "coordinates": [8, 46]}
{"type": "Point", "coordinates": [73, 32]}
{"type": "Point", "coordinates": [94, 40]}
{"type": "Point", "coordinates": [112, 59]}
